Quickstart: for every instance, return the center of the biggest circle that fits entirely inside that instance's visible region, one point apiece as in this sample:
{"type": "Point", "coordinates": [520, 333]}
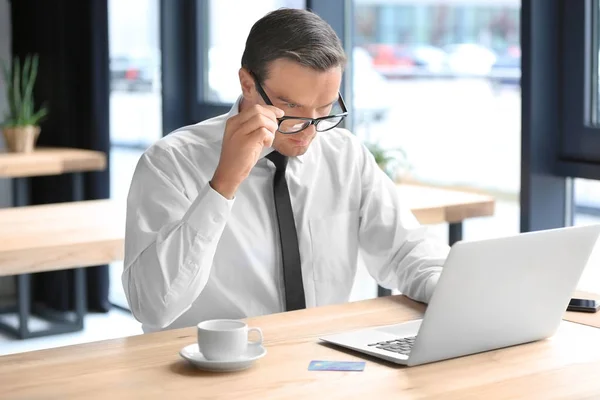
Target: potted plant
{"type": "Point", "coordinates": [393, 161]}
{"type": "Point", "coordinates": [21, 124]}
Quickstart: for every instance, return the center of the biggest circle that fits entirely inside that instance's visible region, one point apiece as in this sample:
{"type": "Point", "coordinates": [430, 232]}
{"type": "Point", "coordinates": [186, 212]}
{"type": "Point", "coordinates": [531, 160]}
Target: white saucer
{"type": "Point", "coordinates": [192, 354]}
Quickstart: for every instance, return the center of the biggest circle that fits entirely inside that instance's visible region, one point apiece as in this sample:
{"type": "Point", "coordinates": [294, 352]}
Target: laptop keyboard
{"type": "Point", "coordinates": [400, 346]}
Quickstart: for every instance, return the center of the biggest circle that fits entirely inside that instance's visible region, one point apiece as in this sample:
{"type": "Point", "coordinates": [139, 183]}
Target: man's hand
{"type": "Point", "coordinates": [245, 136]}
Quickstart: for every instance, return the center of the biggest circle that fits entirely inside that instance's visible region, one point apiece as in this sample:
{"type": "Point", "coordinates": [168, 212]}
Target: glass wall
{"type": "Point", "coordinates": [586, 211]}
{"type": "Point", "coordinates": [227, 33]}
{"type": "Point", "coordinates": [586, 207]}
{"type": "Point", "coordinates": [135, 98]}
{"type": "Point", "coordinates": [440, 80]}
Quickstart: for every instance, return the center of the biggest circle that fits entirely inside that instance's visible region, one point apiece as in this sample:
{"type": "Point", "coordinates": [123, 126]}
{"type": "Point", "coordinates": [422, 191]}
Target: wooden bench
{"type": "Point", "coordinates": [66, 235]}
{"type": "Point", "coordinates": [48, 161]}
{"type": "Point", "coordinates": [86, 233]}
{"type": "Point", "coordinates": [436, 205]}
{"type": "Point", "coordinates": [60, 236]}
{"type": "Point", "coordinates": [44, 161]}
{"type": "Point", "coordinates": [54, 237]}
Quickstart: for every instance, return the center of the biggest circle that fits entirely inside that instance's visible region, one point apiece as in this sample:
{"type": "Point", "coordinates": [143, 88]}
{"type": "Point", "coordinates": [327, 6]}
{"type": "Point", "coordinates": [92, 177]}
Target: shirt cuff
{"type": "Point", "coordinates": [208, 214]}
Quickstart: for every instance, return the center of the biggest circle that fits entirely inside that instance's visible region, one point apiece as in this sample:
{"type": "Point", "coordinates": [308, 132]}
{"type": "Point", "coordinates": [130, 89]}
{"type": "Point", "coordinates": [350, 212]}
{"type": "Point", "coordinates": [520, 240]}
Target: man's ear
{"type": "Point", "coordinates": [247, 83]}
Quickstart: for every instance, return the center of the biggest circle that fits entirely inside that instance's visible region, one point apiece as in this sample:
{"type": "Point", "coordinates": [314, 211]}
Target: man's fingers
{"type": "Point", "coordinates": [256, 122]}
{"type": "Point", "coordinates": [262, 135]}
{"type": "Point", "coordinates": [277, 111]}
{"type": "Point", "coordinates": [268, 111]}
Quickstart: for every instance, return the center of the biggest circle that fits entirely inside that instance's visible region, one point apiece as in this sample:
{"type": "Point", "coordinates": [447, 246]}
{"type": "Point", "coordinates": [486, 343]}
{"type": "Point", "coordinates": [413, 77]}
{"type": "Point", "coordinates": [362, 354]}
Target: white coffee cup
{"type": "Point", "coordinates": [225, 339]}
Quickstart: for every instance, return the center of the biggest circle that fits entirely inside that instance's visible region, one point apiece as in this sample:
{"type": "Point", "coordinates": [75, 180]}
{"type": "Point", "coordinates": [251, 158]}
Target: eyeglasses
{"type": "Point", "coordinates": [290, 125]}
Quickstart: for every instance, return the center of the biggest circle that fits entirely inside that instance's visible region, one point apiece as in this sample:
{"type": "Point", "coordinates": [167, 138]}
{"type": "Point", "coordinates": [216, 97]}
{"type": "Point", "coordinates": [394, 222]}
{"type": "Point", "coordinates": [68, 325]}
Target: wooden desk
{"type": "Point", "coordinates": [50, 161]}
{"type": "Point", "coordinates": [148, 366]}
{"type": "Point", "coordinates": [60, 236]}
{"type": "Point", "coordinates": [20, 167]}
{"type": "Point", "coordinates": [433, 205]}
{"type": "Point", "coordinates": [54, 237]}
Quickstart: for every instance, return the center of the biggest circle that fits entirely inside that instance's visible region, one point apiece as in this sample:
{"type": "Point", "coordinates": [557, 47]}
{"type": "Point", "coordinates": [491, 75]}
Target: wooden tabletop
{"type": "Point", "coordinates": [50, 161]}
{"type": "Point", "coordinates": [434, 205]}
{"type": "Point", "coordinates": [148, 366]}
{"type": "Point", "coordinates": [60, 236]}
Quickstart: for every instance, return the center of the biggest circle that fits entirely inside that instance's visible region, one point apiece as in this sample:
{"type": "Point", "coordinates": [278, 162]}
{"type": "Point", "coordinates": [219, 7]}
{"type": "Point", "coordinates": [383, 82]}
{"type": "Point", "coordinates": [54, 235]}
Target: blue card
{"type": "Point", "coordinates": [336, 365]}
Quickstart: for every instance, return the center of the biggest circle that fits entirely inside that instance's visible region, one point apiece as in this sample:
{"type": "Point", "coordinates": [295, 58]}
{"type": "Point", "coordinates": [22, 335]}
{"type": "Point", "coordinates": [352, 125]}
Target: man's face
{"type": "Point", "coordinates": [300, 92]}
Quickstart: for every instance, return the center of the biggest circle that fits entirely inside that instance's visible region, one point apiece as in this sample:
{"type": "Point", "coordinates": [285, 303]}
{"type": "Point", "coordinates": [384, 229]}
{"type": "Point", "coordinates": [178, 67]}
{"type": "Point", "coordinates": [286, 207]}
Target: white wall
{"type": "Point", "coordinates": [6, 284]}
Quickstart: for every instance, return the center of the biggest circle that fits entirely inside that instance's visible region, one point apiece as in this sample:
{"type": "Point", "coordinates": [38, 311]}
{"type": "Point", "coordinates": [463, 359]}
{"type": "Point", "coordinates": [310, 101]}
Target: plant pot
{"type": "Point", "coordinates": [21, 139]}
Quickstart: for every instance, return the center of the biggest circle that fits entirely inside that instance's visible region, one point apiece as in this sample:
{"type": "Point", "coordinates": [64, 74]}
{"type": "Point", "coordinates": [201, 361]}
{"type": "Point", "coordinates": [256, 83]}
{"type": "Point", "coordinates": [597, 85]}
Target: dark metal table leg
{"type": "Point", "coordinates": [78, 186]}
{"type": "Point", "coordinates": [20, 192]}
{"type": "Point", "coordinates": [382, 292]}
{"type": "Point", "coordinates": [59, 322]}
{"type": "Point", "coordinates": [24, 304]}
{"type": "Point", "coordinates": [80, 297]}
{"type": "Point", "coordinates": [80, 284]}
{"type": "Point", "coordinates": [21, 198]}
{"type": "Point", "coordinates": [455, 232]}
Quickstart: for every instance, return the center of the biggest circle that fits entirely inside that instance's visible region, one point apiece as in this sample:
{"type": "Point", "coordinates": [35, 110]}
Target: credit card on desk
{"type": "Point", "coordinates": [318, 365]}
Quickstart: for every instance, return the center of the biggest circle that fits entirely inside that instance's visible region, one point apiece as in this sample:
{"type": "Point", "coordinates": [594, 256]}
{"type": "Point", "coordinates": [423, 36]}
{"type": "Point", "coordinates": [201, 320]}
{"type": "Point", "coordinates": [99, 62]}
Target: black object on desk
{"type": "Point", "coordinates": [583, 305]}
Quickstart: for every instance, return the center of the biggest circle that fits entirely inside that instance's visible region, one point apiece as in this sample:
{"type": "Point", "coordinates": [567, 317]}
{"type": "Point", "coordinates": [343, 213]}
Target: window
{"type": "Point", "coordinates": [595, 71]}
{"type": "Point", "coordinates": [580, 136]}
{"type": "Point", "coordinates": [221, 36]}
{"type": "Point", "coordinates": [227, 32]}
{"type": "Point", "coordinates": [441, 80]}
{"type": "Point", "coordinates": [135, 98]}
{"type": "Point", "coordinates": [587, 212]}
{"type": "Point", "coordinates": [586, 191]}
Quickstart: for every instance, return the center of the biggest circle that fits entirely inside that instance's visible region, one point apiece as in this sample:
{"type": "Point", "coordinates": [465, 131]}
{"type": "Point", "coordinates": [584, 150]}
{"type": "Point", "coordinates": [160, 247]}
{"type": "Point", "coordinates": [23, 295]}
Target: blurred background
{"type": "Point", "coordinates": [439, 79]}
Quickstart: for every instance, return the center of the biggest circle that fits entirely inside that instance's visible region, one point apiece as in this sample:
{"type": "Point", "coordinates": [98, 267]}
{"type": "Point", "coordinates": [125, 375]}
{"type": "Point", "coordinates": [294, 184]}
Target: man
{"type": "Point", "coordinates": [264, 209]}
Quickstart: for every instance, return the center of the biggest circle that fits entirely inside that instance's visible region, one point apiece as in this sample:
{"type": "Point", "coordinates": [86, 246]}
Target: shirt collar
{"type": "Point", "coordinates": [266, 150]}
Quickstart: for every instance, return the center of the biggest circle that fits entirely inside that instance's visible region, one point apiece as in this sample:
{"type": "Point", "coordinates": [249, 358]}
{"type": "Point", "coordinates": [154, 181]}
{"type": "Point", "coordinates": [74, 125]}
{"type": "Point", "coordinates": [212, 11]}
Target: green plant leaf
{"type": "Point", "coordinates": [20, 95]}
{"type": "Point", "coordinates": [17, 86]}
{"type": "Point", "coordinates": [24, 78]}
{"type": "Point", "coordinates": [390, 160]}
{"type": "Point", "coordinates": [38, 116]}
{"type": "Point", "coordinates": [29, 87]}
{"type": "Point", "coordinates": [9, 90]}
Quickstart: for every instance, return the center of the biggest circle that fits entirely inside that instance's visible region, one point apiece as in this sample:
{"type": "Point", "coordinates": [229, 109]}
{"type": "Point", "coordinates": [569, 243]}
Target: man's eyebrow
{"type": "Point", "coordinates": [286, 100]}
{"type": "Point", "coordinates": [330, 103]}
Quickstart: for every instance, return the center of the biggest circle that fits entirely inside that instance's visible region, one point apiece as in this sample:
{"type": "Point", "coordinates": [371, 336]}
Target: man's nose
{"type": "Point", "coordinates": [310, 130]}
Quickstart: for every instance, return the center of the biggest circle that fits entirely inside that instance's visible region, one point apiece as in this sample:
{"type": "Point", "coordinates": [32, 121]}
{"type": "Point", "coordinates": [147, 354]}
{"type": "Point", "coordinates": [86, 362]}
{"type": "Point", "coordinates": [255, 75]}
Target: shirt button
{"type": "Point", "coordinates": [217, 219]}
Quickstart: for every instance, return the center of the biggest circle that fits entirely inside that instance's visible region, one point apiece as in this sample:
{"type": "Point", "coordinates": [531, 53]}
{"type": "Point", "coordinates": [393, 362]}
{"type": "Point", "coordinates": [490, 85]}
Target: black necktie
{"type": "Point", "coordinates": [292, 272]}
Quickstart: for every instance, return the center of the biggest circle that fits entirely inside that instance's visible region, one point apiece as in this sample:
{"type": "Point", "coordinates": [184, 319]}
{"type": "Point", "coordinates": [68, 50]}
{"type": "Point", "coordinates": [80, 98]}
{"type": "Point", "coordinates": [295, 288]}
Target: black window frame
{"type": "Point", "coordinates": [545, 195]}
{"type": "Point", "coordinates": [579, 151]}
{"type": "Point", "coordinates": [184, 39]}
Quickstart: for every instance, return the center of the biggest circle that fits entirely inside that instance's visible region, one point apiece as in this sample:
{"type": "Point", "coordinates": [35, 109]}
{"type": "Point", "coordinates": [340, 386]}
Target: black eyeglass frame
{"type": "Point", "coordinates": [311, 121]}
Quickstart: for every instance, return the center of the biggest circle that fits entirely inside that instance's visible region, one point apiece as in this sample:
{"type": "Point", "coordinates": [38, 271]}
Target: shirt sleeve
{"type": "Point", "coordinates": [170, 241]}
{"type": "Point", "coordinates": [398, 252]}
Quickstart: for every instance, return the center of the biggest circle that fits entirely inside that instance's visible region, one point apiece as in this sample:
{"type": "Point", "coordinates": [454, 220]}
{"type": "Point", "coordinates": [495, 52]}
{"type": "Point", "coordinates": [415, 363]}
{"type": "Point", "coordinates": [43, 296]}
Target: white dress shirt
{"type": "Point", "coordinates": [192, 255]}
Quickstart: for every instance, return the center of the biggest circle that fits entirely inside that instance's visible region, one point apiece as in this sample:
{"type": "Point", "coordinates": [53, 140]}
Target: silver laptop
{"type": "Point", "coordinates": [492, 293]}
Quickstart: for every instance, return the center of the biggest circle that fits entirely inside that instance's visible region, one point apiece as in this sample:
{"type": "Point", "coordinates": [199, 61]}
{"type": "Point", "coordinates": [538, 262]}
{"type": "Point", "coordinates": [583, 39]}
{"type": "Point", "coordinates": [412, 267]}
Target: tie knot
{"type": "Point", "coordinates": [278, 159]}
